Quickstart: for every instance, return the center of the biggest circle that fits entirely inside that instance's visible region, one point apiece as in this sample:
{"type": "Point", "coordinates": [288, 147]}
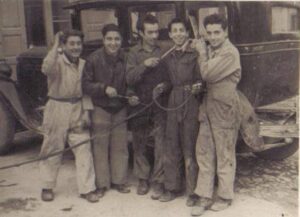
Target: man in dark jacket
{"type": "Point", "coordinates": [104, 80]}
{"type": "Point", "coordinates": [145, 74]}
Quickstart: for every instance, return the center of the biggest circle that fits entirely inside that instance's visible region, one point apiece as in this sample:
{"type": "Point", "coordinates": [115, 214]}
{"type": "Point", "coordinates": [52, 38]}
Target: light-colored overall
{"type": "Point", "coordinates": [64, 122]}
{"type": "Point", "coordinates": [219, 120]}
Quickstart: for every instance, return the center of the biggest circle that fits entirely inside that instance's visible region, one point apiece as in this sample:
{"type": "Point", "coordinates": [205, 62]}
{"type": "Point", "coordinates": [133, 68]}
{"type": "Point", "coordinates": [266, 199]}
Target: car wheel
{"type": "Point", "coordinates": [7, 131]}
{"type": "Point", "coordinates": [278, 153]}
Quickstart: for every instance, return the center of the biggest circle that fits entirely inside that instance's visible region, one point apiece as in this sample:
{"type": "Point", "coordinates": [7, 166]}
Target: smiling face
{"type": "Point", "coordinates": [216, 35]}
{"type": "Point", "coordinates": [73, 47]}
{"type": "Point", "coordinates": [150, 34]}
{"type": "Point", "coordinates": [112, 42]}
{"type": "Point", "coordinates": [178, 34]}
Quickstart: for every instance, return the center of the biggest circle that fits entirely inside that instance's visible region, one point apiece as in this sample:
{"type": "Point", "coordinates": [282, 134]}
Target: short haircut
{"type": "Point", "coordinates": [216, 19]}
{"type": "Point", "coordinates": [178, 20]}
{"type": "Point", "coordinates": [71, 32]}
{"type": "Point", "coordinates": [149, 18]}
{"type": "Point", "coordinates": [110, 28]}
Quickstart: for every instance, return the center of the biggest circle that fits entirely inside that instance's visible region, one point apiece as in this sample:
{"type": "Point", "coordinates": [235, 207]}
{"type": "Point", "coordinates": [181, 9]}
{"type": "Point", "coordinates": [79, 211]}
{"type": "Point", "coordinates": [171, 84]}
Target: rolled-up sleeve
{"type": "Point", "coordinates": [50, 63]}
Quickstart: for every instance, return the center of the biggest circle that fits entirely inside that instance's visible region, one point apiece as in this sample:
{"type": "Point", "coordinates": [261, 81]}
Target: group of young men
{"type": "Point", "coordinates": [194, 131]}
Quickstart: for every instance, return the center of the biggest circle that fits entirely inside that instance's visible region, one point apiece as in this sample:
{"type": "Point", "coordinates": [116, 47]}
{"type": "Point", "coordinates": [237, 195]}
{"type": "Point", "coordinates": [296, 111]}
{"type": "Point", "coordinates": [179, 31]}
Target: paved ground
{"type": "Point", "coordinates": [263, 189]}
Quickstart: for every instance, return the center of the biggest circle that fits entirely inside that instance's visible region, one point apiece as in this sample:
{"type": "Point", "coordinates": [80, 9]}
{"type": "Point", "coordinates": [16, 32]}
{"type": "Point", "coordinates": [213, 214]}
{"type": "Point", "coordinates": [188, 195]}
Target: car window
{"type": "Point", "coordinates": [196, 13]}
{"type": "Point", "coordinates": [285, 20]}
{"type": "Point", "coordinates": [164, 13]}
{"type": "Point", "coordinates": [93, 21]}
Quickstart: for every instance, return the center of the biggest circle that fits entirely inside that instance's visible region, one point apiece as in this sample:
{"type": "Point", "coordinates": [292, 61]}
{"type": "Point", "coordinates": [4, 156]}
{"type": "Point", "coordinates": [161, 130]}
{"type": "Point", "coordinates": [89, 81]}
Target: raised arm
{"type": "Point", "coordinates": [50, 65]}
{"type": "Point", "coordinates": [134, 70]}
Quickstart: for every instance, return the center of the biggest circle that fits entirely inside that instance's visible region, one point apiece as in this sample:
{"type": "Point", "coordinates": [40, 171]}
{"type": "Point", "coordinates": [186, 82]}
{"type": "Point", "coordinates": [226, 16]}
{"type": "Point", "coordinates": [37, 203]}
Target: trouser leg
{"type": "Point", "coordinates": [206, 159]}
{"type": "Point", "coordinates": [226, 160]}
{"type": "Point", "coordinates": [54, 141]}
{"type": "Point", "coordinates": [159, 136]}
{"type": "Point", "coordinates": [101, 121]}
{"type": "Point", "coordinates": [84, 161]}
{"type": "Point", "coordinates": [141, 166]}
{"type": "Point", "coordinates": [173, 156]}
{"type": "Point", "coordinates": [190, 131]}
{"type": "Point", "coordinates": [119, 150]}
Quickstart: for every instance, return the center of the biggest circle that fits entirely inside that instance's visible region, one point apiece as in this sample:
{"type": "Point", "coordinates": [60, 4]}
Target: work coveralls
{"type": "Point", "coordinates": [220, 120]}
{"type": "Point", "coordinates": [64, 122]}
{"type": "Point", "coordinates": [142, 80]}
{"type": "Point", "coordinates": [182, 124]}
{"type": "Point", "coordinates": [110, 149]}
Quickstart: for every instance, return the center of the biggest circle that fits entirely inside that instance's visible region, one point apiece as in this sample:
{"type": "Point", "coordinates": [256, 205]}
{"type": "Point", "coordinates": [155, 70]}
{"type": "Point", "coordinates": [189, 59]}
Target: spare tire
{"type": "Point", "coordinates": [7, 131]}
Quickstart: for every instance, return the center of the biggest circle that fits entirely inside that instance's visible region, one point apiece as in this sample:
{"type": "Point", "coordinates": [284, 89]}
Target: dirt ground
{"type": "Point", "coordinates": [263, 189]}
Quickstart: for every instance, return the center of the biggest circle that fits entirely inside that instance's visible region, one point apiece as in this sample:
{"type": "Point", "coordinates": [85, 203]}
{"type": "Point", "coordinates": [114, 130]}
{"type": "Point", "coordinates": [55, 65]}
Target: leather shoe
{"type": "Point", "coordinates": [47, 195]}
{"type": "Point", "coordinates": [220, 204]}
{"type": "Point", "coordinates": [201, 205]}
{"type": "Point", "coordinates": [143, 187]}
{"type": "Point", "coordinates": [121, 188]}
{"type": "Point", "coordinates": [158, 191]}
{"type": "Point", "coordinates": [90, 197]}
{"type": "Point", "coordinates": [167, 196]}
{"type": "Point", "coordinates": [191, 200]}
{"type": "Point", "coordinates": [100, 192]}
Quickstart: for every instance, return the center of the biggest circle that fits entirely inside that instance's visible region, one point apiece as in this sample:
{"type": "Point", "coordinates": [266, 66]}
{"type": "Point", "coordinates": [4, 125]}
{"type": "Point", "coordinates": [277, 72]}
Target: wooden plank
{"type": "Point", "coordinates": [279, 131]}
{"type": "Point", "coordinates": [288, 105]}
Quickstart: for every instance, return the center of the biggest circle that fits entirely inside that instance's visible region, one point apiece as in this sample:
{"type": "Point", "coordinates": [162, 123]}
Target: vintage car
{"type": "Point", "coordinates": [267, 35]}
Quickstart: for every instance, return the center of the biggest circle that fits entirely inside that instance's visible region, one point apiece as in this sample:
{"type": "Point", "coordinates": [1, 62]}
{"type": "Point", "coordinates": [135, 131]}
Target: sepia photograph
{"type": "Point", "coordinates": [136, 108]}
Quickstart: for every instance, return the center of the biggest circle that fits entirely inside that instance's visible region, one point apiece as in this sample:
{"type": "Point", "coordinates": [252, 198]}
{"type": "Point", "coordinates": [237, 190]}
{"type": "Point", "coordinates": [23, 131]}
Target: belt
{"type": "Point", "coordinates": [72, 100]}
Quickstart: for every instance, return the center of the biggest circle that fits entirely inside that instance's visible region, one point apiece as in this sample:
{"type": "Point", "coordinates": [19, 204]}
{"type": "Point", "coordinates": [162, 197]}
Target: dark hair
{"type": "Point", "coordinates": [149, 18]}
{"type": "Point", "coordinates": [71, 32]}
{"type": "Point", "coordinates": [178, 20]}
{"type": "Point", "coordinates": [110, 28]}
{"type": "Point", "coordinates": [216, 19]}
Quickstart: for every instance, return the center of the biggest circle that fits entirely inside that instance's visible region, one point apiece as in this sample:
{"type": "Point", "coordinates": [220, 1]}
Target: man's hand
{"type": "Point", "coordinates": [57, 38]}
{"type": "Point", "coordinates": [199, 45]}
{"type": "Point", "coordinates": [111, 92]}
{"type": "Point", "coordinates": [196, 88]}
{"type": "Point", "coordinates": [151, 62]}
{"type": "Point", "coordinates": [158, 90]}
{"type": "Point", "coordinates": [133, 100]}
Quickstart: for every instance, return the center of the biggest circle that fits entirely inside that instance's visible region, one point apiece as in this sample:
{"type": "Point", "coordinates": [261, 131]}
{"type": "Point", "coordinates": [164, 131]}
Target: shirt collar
{"type": "Point", "coordinates": [120, 56]}
{"type": "Point", "coordinates": [141, 48]}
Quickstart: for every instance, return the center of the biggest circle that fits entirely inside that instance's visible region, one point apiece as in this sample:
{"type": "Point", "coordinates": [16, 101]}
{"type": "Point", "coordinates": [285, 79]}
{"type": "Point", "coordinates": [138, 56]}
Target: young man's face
{"type": "Point", "coordinates": [112, 42]}
{"type": "Point", "coordinates": [73, 46]}
{"type": "Point", "coordinates": [216, 35]}
{"type": "Point", "coordinates": [150, 34]}
{"type": "Point", "coordinates": [178, 34]}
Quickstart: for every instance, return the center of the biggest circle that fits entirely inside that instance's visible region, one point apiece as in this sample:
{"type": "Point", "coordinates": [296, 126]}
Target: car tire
{"type": "Point", "coordinates": [279, 153]}
{"type": "Point", "coordinates": [7, 131]}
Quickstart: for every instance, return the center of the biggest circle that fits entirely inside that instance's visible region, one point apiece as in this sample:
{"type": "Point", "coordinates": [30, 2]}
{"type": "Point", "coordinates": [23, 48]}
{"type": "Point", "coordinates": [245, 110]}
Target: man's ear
{"type": "Point", "coordinates": [141, 33]}
{"type": "Point", "coordinates": [170, 35]}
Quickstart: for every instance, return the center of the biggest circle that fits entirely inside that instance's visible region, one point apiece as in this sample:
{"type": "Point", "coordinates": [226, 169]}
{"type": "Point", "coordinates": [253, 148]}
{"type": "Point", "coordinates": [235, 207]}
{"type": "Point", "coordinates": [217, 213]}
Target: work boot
{"type": "Point", "coordinates": [47, 195]}
{"type": "Point", "coordinates": [100, 192]}
{"type": "Point", "coordinates": [91, 197]}
{"type": "Point", "coordinates": [201, 205]}
{"type": "Point", "coordinates": [167, 196]}
{"type": "Point", "coordinates": [191, 200]}
{"type": "Point", "coordinates": [143, 187]}
{"type": "Point", "coordinates": [121, 188]}
{"type": "Point", "coordinates": [220, 204]}
{"type": "Point", "coordinates": [158, 190]}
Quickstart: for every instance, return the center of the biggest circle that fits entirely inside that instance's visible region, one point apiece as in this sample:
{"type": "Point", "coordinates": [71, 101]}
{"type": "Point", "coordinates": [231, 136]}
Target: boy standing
{"type": "Point", "coordinates": [219, 117]}
{"type": "Point", "coordinates": [182, 124]}
{"type": "Point", "coordinates": [63, 116]}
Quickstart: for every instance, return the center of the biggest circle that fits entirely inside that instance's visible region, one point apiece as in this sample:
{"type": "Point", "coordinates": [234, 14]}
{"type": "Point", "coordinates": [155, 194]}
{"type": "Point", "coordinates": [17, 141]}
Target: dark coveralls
{"type": "Point", "coordinates": [182, 124]}
{"type": "Point", "coordinates": [110, 150]}
{"type": "Point", "coordinates": [143, 80]}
